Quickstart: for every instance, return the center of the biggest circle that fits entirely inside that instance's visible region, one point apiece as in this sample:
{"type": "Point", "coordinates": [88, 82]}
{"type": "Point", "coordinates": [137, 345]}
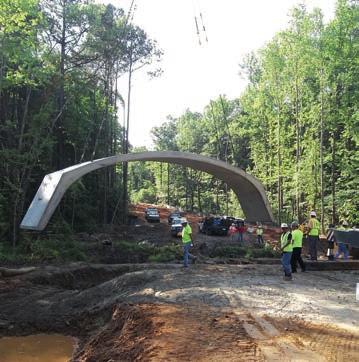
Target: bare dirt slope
{"type": "Point", "coordinates": [163, 312]}
{"type": "Point", "coordinates": [207, 313]}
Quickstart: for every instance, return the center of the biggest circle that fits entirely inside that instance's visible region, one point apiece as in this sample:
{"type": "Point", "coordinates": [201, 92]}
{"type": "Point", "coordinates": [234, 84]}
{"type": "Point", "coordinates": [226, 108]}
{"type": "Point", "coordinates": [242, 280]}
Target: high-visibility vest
{"type": "Point", "coordinates": [297, 237]}
{"type": "Point", "coordinates": [314, 225]}
{"type": "Point", "coordinates": [186, 234]}
{"type": "Point", "coordinates": [284, 240]}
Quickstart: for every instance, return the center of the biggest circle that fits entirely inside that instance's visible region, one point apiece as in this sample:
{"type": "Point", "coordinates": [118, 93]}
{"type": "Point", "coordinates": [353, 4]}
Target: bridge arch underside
{"type": "Point", "coordinates": [250, 192]}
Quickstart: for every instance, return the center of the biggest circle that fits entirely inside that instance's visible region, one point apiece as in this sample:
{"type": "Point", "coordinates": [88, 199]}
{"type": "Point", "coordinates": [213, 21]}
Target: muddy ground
{"type": "Point", "coordinates": [208, 312]}
{"type": "Point", "coordinates": [162, 312]}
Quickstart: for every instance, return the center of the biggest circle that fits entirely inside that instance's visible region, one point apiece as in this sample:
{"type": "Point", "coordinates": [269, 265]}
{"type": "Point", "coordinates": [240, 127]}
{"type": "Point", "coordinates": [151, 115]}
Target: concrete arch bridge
{"type": "Point", "coordinates": [250, 192]}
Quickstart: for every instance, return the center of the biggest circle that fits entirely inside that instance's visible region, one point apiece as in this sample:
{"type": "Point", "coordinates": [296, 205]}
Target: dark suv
{"type": "Point", "coordinates": [214, 226]}
{"type": "Point", "coordinates": [152, 214]}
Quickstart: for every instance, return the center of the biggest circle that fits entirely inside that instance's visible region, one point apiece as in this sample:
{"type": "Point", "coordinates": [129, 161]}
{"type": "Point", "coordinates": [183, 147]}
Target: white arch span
{"type": "Point", "coordinates": [249, 190]}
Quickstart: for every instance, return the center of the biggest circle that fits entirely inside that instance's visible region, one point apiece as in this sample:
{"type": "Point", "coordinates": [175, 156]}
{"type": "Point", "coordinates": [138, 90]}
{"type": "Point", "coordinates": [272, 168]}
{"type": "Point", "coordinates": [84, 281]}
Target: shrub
{"type": "Point", "coordinates": [228, 251]}
{"type": "Point", "coordinates": [261, 253]}
{"type": "Point", "coordinates": [166, 253]}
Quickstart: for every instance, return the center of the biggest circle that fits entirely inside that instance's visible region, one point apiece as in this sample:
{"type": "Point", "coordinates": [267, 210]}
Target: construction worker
{"type": "Point", "coordinates": [259, 233]}
{"type": "Point", "coordinates": [342, 248]}
{"type": "Point", "coordinates": [187, 242]}
{"type": "Point", "coordinates": [330, 240]}
{"type": "Point", "coordinates": [297, 237]}
{"type": "Point", "coordinates": [287, 249]}
{"type": "Point", "coordinates": [232, 231]}
{"type": "Point", "coordinates": [313, 235]}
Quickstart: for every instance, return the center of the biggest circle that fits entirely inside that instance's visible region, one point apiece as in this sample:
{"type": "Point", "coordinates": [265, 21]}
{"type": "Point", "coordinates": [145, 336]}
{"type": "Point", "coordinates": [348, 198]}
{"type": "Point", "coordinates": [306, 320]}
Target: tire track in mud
{"type": "Point", "coordinates": [334, 344]}
{"type": "Point", "coordinates": [270, 340]}
{"type": "Point", "coordinates": [293, 340]}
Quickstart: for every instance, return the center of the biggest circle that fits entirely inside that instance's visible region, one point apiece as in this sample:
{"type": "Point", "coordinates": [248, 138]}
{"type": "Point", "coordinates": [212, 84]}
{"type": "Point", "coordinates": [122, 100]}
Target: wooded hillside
{"type": "Point", "coordinates": [295, 127]}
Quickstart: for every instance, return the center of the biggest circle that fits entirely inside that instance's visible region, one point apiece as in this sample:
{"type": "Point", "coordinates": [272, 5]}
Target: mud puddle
{"type": "Point", "coordinates": [37, 348]}
{"type": "Point", "coordinates": [164, 313]}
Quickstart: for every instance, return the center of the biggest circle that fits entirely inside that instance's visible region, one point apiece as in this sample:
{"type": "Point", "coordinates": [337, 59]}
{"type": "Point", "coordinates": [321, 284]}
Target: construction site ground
{"type": "Point", "coordinates": [208, 312]}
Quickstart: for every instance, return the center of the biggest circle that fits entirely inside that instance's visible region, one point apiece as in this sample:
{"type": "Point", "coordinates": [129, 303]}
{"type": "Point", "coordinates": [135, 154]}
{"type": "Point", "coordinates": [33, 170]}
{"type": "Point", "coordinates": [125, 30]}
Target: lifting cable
{"type": "Point", "coordinates": [131, 13]}
{"type": "Point", "coordinates": [198, 34]}
{"type": "Point", "coordinates": [203, 27]}
{"type": "Point", "coordinates": [198, 15]}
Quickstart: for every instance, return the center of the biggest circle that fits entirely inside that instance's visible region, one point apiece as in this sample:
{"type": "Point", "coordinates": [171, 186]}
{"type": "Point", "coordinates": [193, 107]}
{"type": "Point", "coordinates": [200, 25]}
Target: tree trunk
{"type": "Point", "coordinates": [168, 184]}
{"type": "Point", "coordinates": [321, 154]}
{"type": "Point", "coordinates": [334, 216]}
{"type": "Point", "coordinates": [297, 158]}
{"type": "Point", "coordinates": [125, 164]}
{"type": "Point", "coordinates": [279, 165]}
{"type": "Point", "coordinates": [61, 102]}
{"type": "Point", "coordinates": [187, 186]}
{"type": "Point", "coordinates": [199, 196]}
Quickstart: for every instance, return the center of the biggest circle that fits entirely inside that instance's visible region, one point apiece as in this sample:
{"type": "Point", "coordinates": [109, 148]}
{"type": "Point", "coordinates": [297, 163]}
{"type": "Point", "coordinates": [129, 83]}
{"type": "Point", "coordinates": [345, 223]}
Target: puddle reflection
{"type": "Point", "coordinates": [37, 348]}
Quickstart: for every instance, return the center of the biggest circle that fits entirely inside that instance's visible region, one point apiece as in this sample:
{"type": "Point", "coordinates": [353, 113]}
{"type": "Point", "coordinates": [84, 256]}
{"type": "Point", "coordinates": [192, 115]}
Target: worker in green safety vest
{"type": "Point", "coordinates": [342, 247]}
{"type": "Point", "coordinates": [187, 241]}
{"type": "Point", "coordinates": [286, 247]}
{"type": "Point", "coordinates": [297, 237]}
{"type": "Point", "coordinates": [259, 233]}
{"type": "Point", "coordinates": [313, 235]}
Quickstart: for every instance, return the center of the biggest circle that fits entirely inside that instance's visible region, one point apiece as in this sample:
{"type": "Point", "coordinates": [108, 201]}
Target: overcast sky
{"type": "Point", "coordinates": [194, 74]}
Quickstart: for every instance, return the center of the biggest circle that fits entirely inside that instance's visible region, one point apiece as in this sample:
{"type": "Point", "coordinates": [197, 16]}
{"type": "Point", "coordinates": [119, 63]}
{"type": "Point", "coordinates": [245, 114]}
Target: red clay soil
{"type": "Point", "coordinates": [164, 211]}
{"type": "Point", "coordinates": [149, 332]}
{"type": "Point", "coordinates": [171, 332]}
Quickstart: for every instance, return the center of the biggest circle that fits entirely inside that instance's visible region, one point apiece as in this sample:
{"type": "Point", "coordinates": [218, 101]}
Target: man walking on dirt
{"type": "Point", "coordinates": [259, 233]}
{"type": "Point", "coordinates": [313, 235]}
{"type": "Point", "coordinates": [187, 242]}
{"type": "Point", "coordinates": [297, 237]}
{"type": "Point", "coordinates": [287, 248]}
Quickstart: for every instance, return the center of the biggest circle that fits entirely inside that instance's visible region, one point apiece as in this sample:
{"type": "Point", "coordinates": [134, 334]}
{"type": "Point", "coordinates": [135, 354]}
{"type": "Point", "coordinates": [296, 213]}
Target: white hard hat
{"type": "Point", "coordinates": [284, 225]}
{"type": "Point", "coordinates": [313, 213]}
{"type": "Point", "coordinates": [183, 220]}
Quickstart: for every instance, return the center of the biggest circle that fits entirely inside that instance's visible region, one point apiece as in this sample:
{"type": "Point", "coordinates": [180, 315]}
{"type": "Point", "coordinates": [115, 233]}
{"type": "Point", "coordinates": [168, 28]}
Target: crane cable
{"type": "Point", "coordinates": [131, 12]}
{"type": "Point", "coordinates": [203, 27]}
{"type": "Point", "coordinates": [198, 34]}
{"type": "Point", "coordinates": [198, 15]}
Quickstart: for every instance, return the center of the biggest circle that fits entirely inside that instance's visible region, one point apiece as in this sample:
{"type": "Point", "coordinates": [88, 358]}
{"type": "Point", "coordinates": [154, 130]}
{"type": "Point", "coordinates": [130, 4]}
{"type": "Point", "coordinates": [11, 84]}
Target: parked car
{"type": "Point", "coordinates": [152, 214]}
{"type": "Point", "coordinates": [174, 215]}
{"type": "Point", "coordinates": [176, 227]}
{"type": "Point", "coordinates": [214, 226]}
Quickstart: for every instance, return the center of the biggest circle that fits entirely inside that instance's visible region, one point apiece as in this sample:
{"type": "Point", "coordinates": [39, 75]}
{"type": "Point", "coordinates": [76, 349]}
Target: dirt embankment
{"type": "Point", "coordinates": [158, 312]}
{"type": "Point", "coordinates": [163, 312]}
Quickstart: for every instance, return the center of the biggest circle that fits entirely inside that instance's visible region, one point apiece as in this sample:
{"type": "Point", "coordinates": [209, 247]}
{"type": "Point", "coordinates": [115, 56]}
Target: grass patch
{"type": "Point", "coordinates": [231, 251]}
{"type": "Point", "coordinates": [228, 251]}
{"type": "Point", "coordinates": [65, 249]}
{"type": "Point", "coordinates": [128, 252]}
{"type": "Point", "coordinates": [166, 253]}
{"type": "Point", "coordinates": [43, 251]}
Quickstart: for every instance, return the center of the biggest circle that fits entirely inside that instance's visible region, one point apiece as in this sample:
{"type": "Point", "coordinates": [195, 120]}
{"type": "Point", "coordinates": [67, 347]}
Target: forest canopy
{"type": "Point", "coordinates": [295, 127]}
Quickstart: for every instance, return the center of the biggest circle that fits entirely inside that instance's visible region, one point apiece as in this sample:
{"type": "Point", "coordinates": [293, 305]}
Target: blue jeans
{"type": "Point", "coordinates": [342, 248]}
{"type": "Point", "coordinates": [286, 257]}
{"type": "Point", "coordinates": [187, 254]}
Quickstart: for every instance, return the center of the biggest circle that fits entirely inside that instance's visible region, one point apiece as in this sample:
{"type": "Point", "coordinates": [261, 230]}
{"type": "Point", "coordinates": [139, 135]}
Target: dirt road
{"type": "Point", "coordinates": [206, 313]}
